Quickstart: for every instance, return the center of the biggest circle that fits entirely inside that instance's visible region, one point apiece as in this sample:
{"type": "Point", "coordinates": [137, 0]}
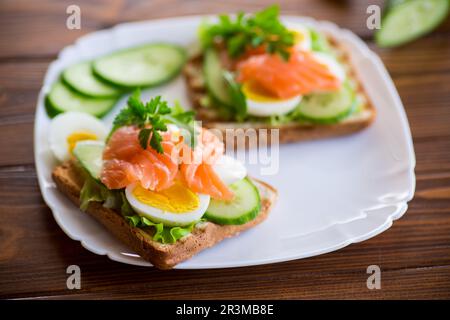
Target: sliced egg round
{"type": "Point", "coordinates": [229, 169]}
{"type": "Point", "coordinates": [174, 206]}
{"type": "Point", "coordinates": [302, 36]}
{"type": "Point", "coordinates": [262, 105]}
{"type": "Point", "coordinates": [68, 128]}
{"type": "Point", "coordinates": [332, 64]}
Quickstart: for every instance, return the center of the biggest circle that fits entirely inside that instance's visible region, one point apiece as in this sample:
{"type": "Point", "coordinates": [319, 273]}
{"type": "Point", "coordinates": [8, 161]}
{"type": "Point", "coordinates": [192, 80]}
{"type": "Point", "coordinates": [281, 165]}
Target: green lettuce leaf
{"type": "Point", "coordinates": [125, 207]}
{"type": "Point", "coordinates": [163, 234]}
{"type": "Point", "coordinates": [95, 191]}
{"type": "Point", "coordinates": [237, 97]}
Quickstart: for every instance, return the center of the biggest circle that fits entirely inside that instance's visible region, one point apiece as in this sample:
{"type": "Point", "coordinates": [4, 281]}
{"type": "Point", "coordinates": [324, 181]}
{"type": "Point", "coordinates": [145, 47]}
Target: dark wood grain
{"type": "Point", "coordinates": [414, 254]}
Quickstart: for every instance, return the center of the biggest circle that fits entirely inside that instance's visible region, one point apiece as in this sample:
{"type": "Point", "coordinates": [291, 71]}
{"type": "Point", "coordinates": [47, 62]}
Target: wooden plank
{"type": "Point", "coordinates": [400, 285]}
{"type": "Point", "coordinates": [420, 240]}
{"type": "Point", "coordinates": [16, 143]}
{"type": "Point", "coordinates": [425, 55]}
{"type": "Point", "coordinates": [22, 23]}
{"type": "Point", "coordinates": [426, 283]}
{"type": "Point", "coordinates": [19, 93]}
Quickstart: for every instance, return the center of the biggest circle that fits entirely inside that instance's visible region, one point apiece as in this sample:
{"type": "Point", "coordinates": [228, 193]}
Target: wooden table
{"type": "Point", "coordinates": [414, 255]}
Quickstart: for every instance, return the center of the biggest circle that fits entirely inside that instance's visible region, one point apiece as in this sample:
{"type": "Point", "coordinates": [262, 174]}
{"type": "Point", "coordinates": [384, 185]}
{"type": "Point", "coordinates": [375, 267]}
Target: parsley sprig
{"type": "Point", "coordinates": [237, 97]}
{"type": "Point", "coordinates": [262, 28]}
{"type": "Point", "coordinates": [152, 117]}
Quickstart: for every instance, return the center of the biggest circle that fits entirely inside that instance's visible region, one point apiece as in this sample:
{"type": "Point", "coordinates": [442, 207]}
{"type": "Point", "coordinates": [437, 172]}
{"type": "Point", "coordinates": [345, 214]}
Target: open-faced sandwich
{"type": "Point", "coordinates": [253, 71]}
{"type": "Point", "coordinates": [159, 184]}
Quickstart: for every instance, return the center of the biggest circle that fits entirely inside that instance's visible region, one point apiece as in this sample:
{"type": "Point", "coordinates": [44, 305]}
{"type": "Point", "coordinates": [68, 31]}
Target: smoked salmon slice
{"type": "Point", "coordinates": [196, 167]}
{"type": "Point", "coordinates": [201, 178]}
{"type": "Point", "coordinates": [117, 174]}
{"type": "Point", "coordinates": [126, 162]}
{"type": "Point", "coordinates": [123, 144]}
{"type": "Point", "coordinates": [301, 74]}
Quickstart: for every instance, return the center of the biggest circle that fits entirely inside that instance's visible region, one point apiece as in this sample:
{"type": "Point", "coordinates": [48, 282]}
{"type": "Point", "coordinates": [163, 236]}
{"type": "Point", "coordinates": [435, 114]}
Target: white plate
{"type": "Point", "coordinates": [332, 192]}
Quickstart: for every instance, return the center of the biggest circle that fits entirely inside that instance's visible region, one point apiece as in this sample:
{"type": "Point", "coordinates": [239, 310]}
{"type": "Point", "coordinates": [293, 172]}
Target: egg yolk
{"type": "Point", "coordinates": [75, 137]}
{"type": "Point", "coordinates": [298, 36]}
{"type": "Point", "coordinates": [256, 93]}
{"type": "Point", "coordinates": [176, 199]}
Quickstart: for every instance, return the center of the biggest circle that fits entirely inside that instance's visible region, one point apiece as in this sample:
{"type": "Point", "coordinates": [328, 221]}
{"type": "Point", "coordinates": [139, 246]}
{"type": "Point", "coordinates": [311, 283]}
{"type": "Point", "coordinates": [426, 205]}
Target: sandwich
{"type": "Point", "coordinates": [158, 183]}
{"type": "Point", "coordinates": [255, 72]}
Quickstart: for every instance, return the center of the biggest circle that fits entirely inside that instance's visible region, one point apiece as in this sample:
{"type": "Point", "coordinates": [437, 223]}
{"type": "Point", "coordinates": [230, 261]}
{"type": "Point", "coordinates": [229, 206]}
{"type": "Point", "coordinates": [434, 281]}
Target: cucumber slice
{"type": "Point", "coordinates": [89, 155]}
{"type": "Point", "coordinates": [327, 107]}
{"type": "Point", "coordinates": [214, 78]}
{"type": "Point", "coordinates": [62, 99]}
{"type": "Point", "coordinates": [143, 66]}
{"type": "Point", "coordinates": [406, 20]}
{"type": "Point", "coordinates": [245, 206]}
{"type": "Point", "coordinates": [81, 78]}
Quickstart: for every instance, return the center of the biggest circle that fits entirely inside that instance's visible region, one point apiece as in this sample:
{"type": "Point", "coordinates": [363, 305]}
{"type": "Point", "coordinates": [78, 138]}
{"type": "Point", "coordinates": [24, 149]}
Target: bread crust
{"type": "Point", "coordinates": [69, 181]}
{"type": "Point", "coordinates": [291, 132]}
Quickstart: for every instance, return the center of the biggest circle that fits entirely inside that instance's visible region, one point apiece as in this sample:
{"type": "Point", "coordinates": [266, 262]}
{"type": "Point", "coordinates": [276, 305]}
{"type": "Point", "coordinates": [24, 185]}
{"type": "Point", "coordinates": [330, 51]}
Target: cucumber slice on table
{"type": "Point", "coordinates": [81, 78]}
{"type": "Point", "coordinates": [143, 66]}
{"type": "Point", "coordinates": [62, 99]}
{"type": "Point", "coordinates": [89, 155]}
{"type": "Point", "coordinates": [406, 20]}
{"type": "Point", "coordinates": [328, 107]}
{"type": "Point", "coordinates": [214, 78]}
{"type": "Point", "coordinates": [245, 206]}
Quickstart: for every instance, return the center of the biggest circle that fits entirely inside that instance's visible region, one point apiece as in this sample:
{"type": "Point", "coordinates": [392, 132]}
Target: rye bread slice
{"type": "Point", "coordinates": [163, 256]}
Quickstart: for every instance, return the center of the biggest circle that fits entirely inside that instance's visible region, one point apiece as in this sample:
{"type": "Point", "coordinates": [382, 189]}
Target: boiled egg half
{"type": "Point", "coordinates": [174, 206]}
{"type": "Point", "coordinates": [178, 205]}
{"type": "Point", "coordinates": [261, 104]}
{"type": "Point", "coordinates": [68, 128]}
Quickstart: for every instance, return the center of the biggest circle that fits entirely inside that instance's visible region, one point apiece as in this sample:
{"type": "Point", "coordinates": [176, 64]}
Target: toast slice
{"type": "Point", "coordinates": [288, 132]}
{"type": "Point", "coordinates": [163, 256]}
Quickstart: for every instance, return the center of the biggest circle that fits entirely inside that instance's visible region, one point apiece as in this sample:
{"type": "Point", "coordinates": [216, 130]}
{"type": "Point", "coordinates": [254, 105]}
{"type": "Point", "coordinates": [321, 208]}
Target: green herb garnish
{"type": "Point", "coordinates": [264, 28]}
{"type": "Point", "coordinates": [237, 97]}
{"type": "Point", "coordinates": [153, 117]}
{"type": "Point", "coordinates": [185, 121]}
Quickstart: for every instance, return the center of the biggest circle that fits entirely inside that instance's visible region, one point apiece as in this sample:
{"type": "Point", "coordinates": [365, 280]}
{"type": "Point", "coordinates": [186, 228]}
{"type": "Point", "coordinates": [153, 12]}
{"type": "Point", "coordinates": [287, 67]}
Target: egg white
{"type": "Point", "coordinates": [63, 125]}
{"type": "Point", "coordinates": [332, 64]}
{"type": "Point", "coordinates": [229, 169]}
{"type": "Point", "coordinates": [168, 218]}
{"type": "Point", "coordinates": [305, 43]}
{"type": "Point", "coordinates": [270, 108]}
